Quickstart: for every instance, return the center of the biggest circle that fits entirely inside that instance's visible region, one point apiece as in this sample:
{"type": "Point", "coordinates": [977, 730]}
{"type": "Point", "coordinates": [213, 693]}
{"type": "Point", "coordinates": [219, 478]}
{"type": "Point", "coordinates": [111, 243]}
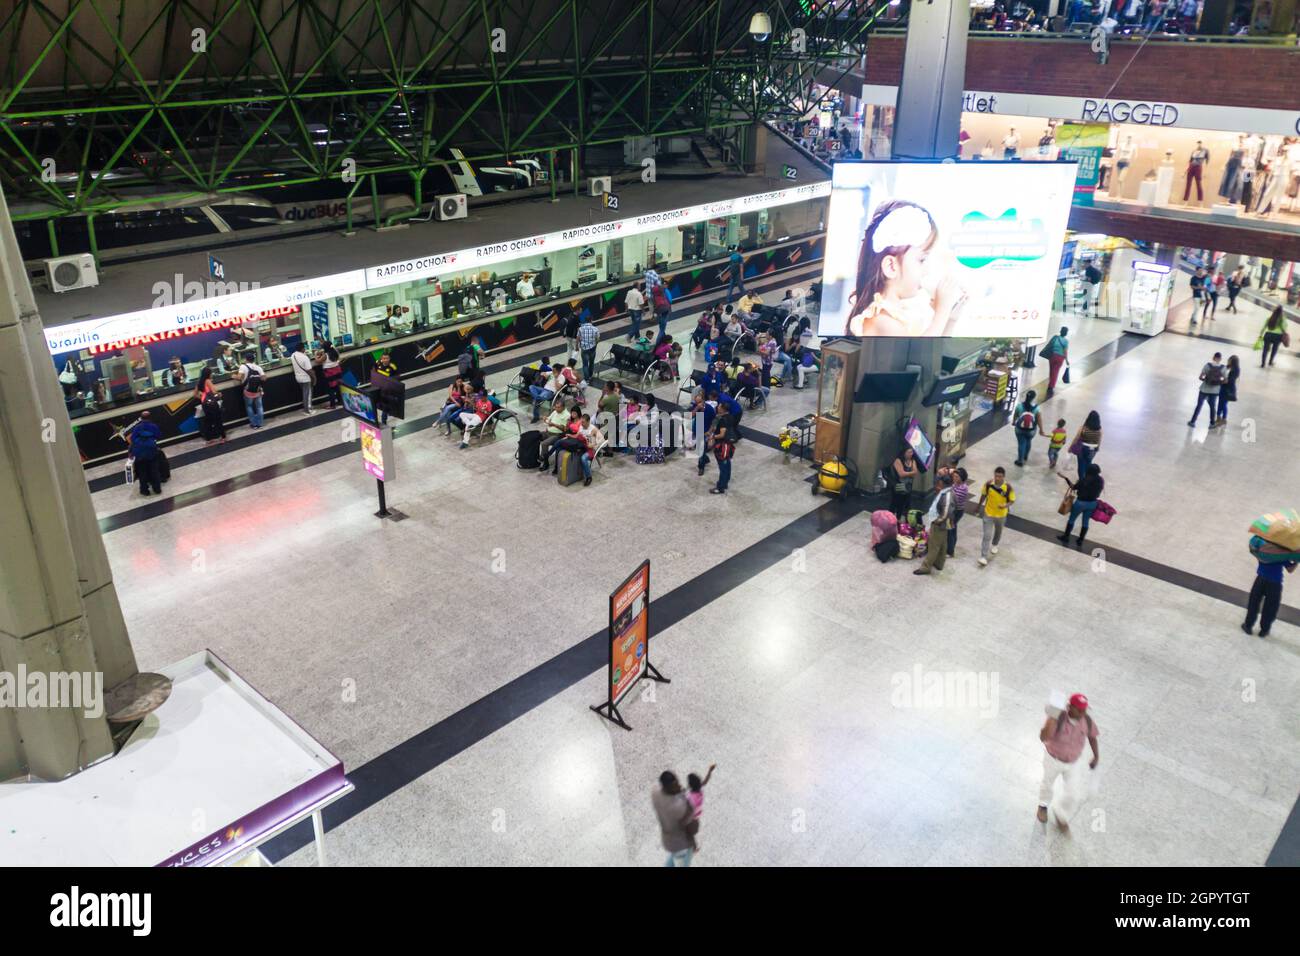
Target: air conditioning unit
{"type": "Point", "coordinates": [601, 185]}
{"type": "Point", "coordinates": [71, 272]}
{"type": "Point", "coordinates": [450, 206]}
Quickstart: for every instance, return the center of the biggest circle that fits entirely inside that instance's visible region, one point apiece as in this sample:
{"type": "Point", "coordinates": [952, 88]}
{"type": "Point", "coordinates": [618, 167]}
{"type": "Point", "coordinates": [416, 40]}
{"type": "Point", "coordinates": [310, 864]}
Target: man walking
{"type": "Point", "coordinates": [996, 499]}
{"type": "Point", "coordinates": [737, 273]}
{"type": "Point", "coordinates": [1265, 596]}
{"type": "Point", "coordinates": [571, 325]}
{"type": "Point", "coordinates": [1063, 738]}
{"type": "Point", "coordinates": [1212, 376]}
{"type": "Point", "coordinates": [663, 305]}
{"type": "Point", "coordinates": [1027, 422]}
{"type": "Point", "coordinates": [635, 304]}
{"type": "Point", "coordinates": [674, 812]}
{"type": "Point", "coordinates": [938, 519]}
{"type": "Point", "coordinates": [588, 336]}
{"type": "Point", "coordinates": [724, 449]}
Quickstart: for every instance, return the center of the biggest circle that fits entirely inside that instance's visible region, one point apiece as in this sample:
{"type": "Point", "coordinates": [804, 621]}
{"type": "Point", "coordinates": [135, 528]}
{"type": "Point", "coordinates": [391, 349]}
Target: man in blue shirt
{"type": "Point", "coordinates": [710, 412]}
{"type": "Point", "coordinates": [1267, 591]}
{"type": "Point", "coordinates": [715, 379]}
{"type": "Point", "coordinates": [143, 438]}
{"type": "Point", "coordinates": [733, 408]}
{"type": "Point", "coordinates": [737, 263]}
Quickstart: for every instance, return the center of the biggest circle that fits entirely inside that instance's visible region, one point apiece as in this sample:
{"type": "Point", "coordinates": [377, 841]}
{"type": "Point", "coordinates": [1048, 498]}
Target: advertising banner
{"type": "Point", "coordinates": [629, 632]}
{"type": "Point", "coordinates": [944, 250]}
{"type": "Point", "coordinates": [377, 451]}
{"type": "Point", "coordinates": [1084, 143]}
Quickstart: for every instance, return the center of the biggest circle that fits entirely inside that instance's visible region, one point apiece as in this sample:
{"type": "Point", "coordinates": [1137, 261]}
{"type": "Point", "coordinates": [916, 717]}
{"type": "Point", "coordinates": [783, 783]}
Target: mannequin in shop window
{"type": "Point", "coordinates": [1123, 160]}
{"type": "Point", "coordinates": [1011, 144]}
{"type": "Point", "coordinates": [1291, 150]}
{"type": "Point", "coordinates": [1046, 142]}
{"type": "Point", "coordinates": [1196, 163]}
{"type": "Point", "coordinates": [1230, 186]}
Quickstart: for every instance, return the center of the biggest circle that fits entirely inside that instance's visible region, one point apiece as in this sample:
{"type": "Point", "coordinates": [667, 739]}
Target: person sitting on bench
{"type": "Point", "coordinates": [551, 386]}
{"type": "Point", "coordinates": [574, 442]}
{"type": "Point", "coordinates": [668, 352]}
{"type": "Point", "coordinates": [739, 333]}
{"type": "Point", "coordinates": [751, 384]}
{"type": "Point", "coordinates": [806, 362]}
{"type": "Point", "coordinates": [473, 417]}
{"type": "Point", "coordinates": [703, 329]}
{"type": "Point", "coordinates": [573, 380]}
{"type": "Point", "coordinates": [560, 424]}
{"type": "Point", "coordinates": [715, 378]}
{"type": "Point", "coordinates": [456, 403]}
{"type": "Point", "coordinates": [747, 307]}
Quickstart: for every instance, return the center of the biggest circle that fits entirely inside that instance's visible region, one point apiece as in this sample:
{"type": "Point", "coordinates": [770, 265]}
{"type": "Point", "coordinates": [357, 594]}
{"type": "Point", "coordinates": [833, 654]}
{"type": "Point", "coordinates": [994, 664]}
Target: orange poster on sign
{"type": "Point", "coordinates": [629, 632]}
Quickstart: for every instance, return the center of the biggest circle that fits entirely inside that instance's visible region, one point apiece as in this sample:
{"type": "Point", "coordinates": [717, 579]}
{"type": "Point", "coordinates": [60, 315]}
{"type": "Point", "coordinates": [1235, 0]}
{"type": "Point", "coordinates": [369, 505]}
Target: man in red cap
{"type": "Point", "coordinates": [1063, 738]}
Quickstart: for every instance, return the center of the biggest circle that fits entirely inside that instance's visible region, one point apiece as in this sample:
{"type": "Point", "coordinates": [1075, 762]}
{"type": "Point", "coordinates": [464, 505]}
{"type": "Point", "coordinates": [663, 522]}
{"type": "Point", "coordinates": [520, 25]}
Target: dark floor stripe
{"type": "Point", "coordinates": [1152, 569]}
{"type": "Point", "coordinates": [413, 758]}
{"type": "Point", "coordinates": [1286, 851]}
{"type": "Point", "coordinates": [430, 380]}
{"type": "Point", "coordinates": [996, 418]}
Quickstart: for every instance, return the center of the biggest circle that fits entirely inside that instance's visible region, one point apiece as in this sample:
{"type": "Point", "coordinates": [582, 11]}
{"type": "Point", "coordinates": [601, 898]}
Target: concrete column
{"type": "Point", "coordinates": [927, 124]}
{"type": "Point", "coordinates": [59, 612]}
{"type": "Point", "coordinates": [928, 118]}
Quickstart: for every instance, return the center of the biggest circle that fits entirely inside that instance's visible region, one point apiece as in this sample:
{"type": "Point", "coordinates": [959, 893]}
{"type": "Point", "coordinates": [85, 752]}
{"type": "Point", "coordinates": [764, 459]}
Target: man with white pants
{"type": "Point", "coordinates": [1063, 738]}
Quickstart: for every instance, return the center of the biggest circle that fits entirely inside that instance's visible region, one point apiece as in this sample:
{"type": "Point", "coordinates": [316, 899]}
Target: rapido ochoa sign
{"type": "Point", "coordinates": [150, 321]}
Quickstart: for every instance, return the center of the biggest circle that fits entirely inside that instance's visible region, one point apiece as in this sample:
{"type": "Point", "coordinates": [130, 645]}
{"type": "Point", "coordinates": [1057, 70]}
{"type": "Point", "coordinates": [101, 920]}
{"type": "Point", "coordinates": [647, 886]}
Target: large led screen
{"type": "Point", "coordinates": [961, 250]}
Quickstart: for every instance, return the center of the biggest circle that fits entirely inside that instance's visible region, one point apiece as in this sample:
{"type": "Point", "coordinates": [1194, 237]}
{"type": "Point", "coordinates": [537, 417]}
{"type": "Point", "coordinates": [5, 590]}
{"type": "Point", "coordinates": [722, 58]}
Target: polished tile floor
{"type": "Point", "coordinates": [471, 632]}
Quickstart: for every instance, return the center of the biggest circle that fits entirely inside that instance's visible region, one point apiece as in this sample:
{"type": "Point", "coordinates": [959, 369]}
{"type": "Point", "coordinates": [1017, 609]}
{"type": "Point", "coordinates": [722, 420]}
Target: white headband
{"type": "Point", "coordinates": [905, 226]}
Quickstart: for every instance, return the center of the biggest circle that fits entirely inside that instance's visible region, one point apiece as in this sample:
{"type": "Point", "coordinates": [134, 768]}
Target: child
{"type": "Point", "coordinates": [890, 297]}
{"type": "Point", "coordinates": [695, 795]}
{"type": "Point", "coordinates": [1058, 442]}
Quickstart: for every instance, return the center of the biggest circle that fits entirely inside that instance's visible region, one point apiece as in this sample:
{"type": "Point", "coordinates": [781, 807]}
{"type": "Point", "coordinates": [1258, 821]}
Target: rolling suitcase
{"type": "Point", "coordinates": [570, 469]}
{"type": "Point", "coordinates": [528, 455]}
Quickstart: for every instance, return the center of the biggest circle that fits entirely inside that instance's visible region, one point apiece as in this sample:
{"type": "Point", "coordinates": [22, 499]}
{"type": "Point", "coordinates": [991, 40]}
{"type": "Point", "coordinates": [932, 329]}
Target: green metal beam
{"type": "Point", "coordinates": [389, 83]}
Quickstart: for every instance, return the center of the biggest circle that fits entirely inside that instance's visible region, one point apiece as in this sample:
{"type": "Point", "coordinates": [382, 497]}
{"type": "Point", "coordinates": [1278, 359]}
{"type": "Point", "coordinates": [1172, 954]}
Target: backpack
{"type": "Point", "coordinates": [660, 299]}
{"type": "Point", "coordinates": [252, 381]}
{"type": "Point", "coordinates": [1026, 420]}
{"type": "Point", "coordinates": [1214, 375]}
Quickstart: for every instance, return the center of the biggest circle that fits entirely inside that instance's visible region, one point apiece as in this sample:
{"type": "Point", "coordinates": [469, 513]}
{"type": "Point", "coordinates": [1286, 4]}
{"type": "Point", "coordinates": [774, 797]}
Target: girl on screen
{"type": "Point", "coordinates": [890, 297]}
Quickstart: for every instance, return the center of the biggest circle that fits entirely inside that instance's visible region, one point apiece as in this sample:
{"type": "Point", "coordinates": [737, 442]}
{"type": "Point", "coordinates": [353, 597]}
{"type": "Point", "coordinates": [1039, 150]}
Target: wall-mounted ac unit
{"type": "Point", "coordinates": [71, 272]}
{"type": "Point", "coordinates": [450, 206]}
{"type": "Point", "coordinates": [601, 185]}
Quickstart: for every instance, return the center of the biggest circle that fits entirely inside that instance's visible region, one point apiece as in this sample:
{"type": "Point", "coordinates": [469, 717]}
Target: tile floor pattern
{"type": "Point", "coordinates": [785, 681]}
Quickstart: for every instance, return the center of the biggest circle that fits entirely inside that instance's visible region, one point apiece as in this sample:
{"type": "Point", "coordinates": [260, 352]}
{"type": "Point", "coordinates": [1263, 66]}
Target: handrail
{"type": "Point", "coordinates": [1116, 37]}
